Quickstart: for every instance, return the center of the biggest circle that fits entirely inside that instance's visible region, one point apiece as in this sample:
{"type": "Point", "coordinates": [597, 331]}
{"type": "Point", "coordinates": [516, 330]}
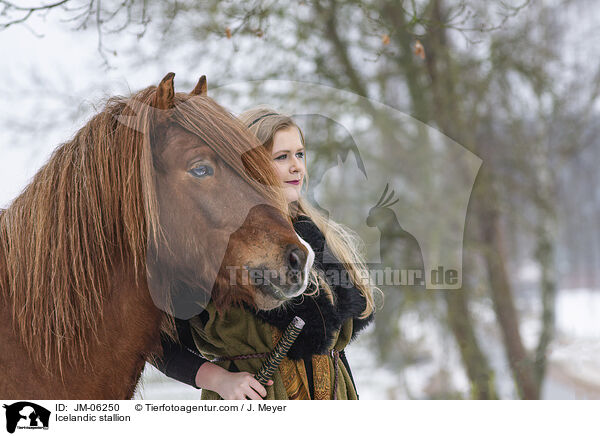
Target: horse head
{"type": "Point", "coordinates": [223, 230]}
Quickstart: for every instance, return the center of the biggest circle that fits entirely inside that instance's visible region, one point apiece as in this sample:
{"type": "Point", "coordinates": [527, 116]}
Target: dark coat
{"type": "Point", "coordinates": [323, 319]}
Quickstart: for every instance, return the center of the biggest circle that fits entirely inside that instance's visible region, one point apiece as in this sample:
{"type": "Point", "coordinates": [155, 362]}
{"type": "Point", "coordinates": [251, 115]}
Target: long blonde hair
{"type": "Point", "coordinates": [343, 242]}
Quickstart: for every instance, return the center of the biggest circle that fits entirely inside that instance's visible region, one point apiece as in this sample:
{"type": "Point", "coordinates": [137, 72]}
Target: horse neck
{"type": "Point", "coordinates": [128, 333]}
{"type": "Point", "coordinates": [127, 336]}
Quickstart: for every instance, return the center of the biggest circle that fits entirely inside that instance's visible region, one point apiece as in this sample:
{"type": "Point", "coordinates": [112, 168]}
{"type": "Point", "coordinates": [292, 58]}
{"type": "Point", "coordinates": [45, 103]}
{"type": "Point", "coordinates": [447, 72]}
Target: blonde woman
{"type": "Point", "coordinates": [337, 305]}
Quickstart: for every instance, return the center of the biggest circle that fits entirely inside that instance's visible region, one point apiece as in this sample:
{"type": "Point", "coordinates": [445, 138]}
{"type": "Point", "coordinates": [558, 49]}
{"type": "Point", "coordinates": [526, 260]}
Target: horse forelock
{"type": "Point", "coordinates": [232, 142]}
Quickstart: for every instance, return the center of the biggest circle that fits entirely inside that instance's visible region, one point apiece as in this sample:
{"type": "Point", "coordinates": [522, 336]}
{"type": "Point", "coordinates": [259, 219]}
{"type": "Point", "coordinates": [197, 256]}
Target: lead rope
{"type": "Point", "coordinates": [241, 357]}
{"type": "Point", "coordinates": [335, 354]}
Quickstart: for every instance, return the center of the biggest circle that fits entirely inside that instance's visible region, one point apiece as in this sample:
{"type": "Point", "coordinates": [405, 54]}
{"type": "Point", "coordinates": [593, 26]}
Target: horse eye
{"type": "Point", "coordinates": [202, 171]}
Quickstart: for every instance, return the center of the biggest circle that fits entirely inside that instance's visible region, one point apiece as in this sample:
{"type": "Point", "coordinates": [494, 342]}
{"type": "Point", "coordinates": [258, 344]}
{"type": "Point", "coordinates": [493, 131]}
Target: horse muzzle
{"type": "Point", "coordinates": [292, 280]}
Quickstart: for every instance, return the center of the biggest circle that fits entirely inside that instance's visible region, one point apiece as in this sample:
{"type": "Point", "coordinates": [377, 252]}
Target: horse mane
{"type": "Point", "coordinates": [91, 209]}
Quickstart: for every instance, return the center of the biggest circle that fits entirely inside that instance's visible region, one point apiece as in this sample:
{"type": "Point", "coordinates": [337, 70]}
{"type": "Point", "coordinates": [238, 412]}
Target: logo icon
{"type": "Point", "coordinates": [26, 415]}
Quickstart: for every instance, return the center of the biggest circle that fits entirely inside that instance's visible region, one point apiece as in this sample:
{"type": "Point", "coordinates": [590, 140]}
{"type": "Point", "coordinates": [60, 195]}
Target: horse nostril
{"type": "Point", "coordinates": [296, 259]}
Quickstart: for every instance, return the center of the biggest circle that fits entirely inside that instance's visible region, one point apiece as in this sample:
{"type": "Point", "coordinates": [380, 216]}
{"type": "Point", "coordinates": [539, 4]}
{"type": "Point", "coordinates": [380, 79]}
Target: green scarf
{"type": "Point", "coordinates": [238, 332]}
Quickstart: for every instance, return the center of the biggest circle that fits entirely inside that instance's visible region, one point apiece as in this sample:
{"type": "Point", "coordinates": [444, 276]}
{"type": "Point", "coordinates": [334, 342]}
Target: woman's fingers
{"type": "Point", "coordinates": [251, 394]}
{"type": "Point", "coordinates": [245, 386]}
{"type": "Point", "coordinates": [255, 384]}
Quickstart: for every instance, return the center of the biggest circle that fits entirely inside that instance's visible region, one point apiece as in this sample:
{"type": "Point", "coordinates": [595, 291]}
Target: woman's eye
{"type": "Point", "coordinates": [300, 154]}
{"type": "Point", "coordinates": [202, 171]}
{"type": "Point", "coordinates": [283, 156]}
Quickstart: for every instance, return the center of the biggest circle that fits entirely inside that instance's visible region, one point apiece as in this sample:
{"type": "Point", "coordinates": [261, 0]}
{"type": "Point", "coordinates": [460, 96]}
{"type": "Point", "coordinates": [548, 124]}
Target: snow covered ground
{"type": "Point", "coordinates": [575, 354]}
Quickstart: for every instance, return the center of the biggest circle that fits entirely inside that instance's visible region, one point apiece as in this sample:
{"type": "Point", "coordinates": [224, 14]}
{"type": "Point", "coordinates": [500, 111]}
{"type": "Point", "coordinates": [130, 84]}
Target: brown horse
{"type": "Point", "coordinates": [149, 204]}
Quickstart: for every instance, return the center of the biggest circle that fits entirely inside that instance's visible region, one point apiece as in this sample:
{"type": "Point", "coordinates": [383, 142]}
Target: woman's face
{"type": "Point", "coordinates": [288, 159]}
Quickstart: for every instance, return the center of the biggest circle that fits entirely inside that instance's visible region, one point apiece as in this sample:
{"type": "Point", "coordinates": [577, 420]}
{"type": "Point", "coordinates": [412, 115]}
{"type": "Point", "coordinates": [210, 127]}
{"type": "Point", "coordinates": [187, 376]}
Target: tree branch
{"type": "Point", "coordinates": [9, 7]}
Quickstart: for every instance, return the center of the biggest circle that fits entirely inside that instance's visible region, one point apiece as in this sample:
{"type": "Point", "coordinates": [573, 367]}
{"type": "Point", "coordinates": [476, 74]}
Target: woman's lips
{"type": "Point", "coordinates": [294, 182]}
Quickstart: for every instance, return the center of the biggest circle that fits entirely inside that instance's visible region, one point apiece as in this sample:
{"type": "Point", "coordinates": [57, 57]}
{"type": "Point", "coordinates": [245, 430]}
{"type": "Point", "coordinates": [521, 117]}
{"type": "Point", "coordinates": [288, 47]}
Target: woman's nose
{"type": "Point", "coordinates": [295, 167]}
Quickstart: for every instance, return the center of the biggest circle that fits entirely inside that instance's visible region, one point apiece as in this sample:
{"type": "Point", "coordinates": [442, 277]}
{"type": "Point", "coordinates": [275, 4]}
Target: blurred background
{"type": "Point", "coordinates": [504, 93]}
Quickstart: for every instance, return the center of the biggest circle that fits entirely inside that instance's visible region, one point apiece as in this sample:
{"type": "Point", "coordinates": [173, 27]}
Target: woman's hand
{"type": "Point", "coordinates": [230, 385]}
{"type": "Point", "coordinates": [241, 386]}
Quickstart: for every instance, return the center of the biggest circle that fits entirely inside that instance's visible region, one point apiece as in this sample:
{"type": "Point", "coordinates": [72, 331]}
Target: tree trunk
{"type": "Point", "coordinates": [480, 374]}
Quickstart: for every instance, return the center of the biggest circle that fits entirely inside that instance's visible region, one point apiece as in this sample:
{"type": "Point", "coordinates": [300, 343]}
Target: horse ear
{"type": "Point", "coordinates": [200, 88]}
{"type": "Point", "coordinates": [165, 93]}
